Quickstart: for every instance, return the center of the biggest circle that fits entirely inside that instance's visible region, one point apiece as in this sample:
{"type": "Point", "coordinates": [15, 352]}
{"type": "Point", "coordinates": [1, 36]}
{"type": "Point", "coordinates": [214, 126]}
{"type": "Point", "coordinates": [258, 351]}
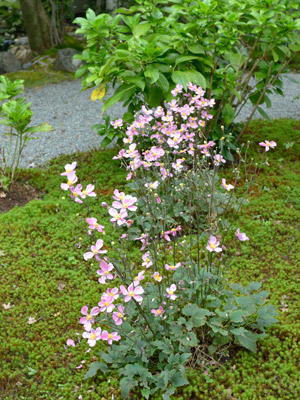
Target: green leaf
{"type": "Point", "coordinates": [141, 29]}
{"type": "Point", "coordinates": [146, 393]}
{"type": "Point", "coordinates": [94, 367]}
{"type": "Point", "coordinates": [237, 316]}
{"type": "Point", "coordinates": [196, 49]}
{"type": "Point", "coordinates": [163, 83]}
{"type": "Point", "coordinates": [246, 339]}
{"type": "Point", "coordinates": [182, 59]}
{"type": "Point", "coordinates": [184, 77]}
{"type": "Point", "coordinates": [126, 384]}
{"type": "Point", "coordinates": [44, 127]}
{"type": "Point", "coordinates": [179, 380]}
{"type": "Point", "coordinates": [152, 73]}
{"type": "Point", "coordinates": [228, 114]}
{"type": "Point", "coordinates": [263, 113]}
{"type": "Point", "coordinates": [121, 94]}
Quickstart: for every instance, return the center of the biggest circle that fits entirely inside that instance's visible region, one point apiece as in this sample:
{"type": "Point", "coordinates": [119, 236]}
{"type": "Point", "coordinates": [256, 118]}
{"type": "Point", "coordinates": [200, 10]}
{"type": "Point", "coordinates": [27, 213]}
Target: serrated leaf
{"type": "Point", "coordinates": [98, 93]}
{"type": "Point", "coordinates": [93, 369]}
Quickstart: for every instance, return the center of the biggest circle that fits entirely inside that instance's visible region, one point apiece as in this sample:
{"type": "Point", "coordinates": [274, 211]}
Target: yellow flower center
{"type": "Point", "coordinates": [118, 216]}
{"type": "Point", "coordinates": [147, 260]}
{"type": "Point", "coordinates": [121, 197]}
{"type": "Point", "coordinates": [268, 143]}
{"type": "Point", "coordinates": [120, 315]}
{"type": "Point", "coordinates": [125, 205]}
{"type": "Point", "coordinates": [158, 311]}
{"type": "Point", "coordinates": [93, 336]}
{"type": "Point", "coordinates": [110, 336]}
{"type": "Point", "coordinates": [70, 183]}
{"type": "Point", "coordinates": [213, 246]}
{"type": "Point", "coordinates": [95, 251]}
{"type": "Point", "coordinates": [96, 225]}
{"type": "Point", "coordinates": [157, 277]}
{"type": "Point", "coordinates": [106, 303]}
{"type": "Point", "coordinates": [84, 192]}
{"type": "Point", "coordinates": [74, 194]}
{"type": "Point", "coordinates": [170, 292]}
{"type": "Point", "coordinates": [89, 317]}
{"type": "Point", "coordinates": [111, 294]}
{"type": "Point", "coordinates": [130, 293]}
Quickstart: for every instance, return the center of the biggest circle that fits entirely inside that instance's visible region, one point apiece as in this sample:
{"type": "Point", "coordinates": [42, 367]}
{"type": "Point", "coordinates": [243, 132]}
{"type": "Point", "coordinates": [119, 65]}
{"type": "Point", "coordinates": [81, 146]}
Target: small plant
{"type": "Point", "coordinates": [235, 49]}
{"type": "Point", "coordinates": [173, 306]}
{"type": "Point", "coordinates": [16, 115]}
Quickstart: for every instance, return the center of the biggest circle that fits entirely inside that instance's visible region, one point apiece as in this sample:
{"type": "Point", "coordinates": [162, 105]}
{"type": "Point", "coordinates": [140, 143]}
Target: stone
{"type": "Point", "coordinates": [64, 62]}
{"type": "Point", "coordinates": [23, 53]}
{"type": "Point", "coordinates": [22, 41]}
{"type": "Point", "coordinates": [8, 62]}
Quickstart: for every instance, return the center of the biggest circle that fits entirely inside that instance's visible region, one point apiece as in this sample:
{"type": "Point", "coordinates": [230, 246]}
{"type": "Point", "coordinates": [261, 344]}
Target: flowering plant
{"type": "Point", "coordinates": [173, 307]}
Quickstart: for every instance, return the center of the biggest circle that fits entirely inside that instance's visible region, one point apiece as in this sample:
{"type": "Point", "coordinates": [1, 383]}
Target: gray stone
{"type": "Point", "coordinates": [27, 65]}
{"type": "Point", "coordinates": [64, 62]}
{"type": "Point", "coordinates": [8, 63]}
{"type": "Point", "coordinates": [22, 41]}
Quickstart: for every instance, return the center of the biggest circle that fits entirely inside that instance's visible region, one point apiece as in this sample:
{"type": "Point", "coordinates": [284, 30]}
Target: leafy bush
{"type": "Point", "coordinates": [11, 19]}
{"type": "Point", "coordinates": [16, 116]}
{"type": "Point", "coordinates": [236, 49]}
{"type": "Point", "coordinates": [186, 313]}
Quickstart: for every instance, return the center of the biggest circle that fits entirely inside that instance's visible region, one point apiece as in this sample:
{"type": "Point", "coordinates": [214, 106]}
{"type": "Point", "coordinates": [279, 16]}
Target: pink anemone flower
{"type": "Point", "coordinates": [118, 217]}
{"type": "Point", "coordinates": [92, 336]}
{"type": "Point", "coordinates": [172, 267]}
{"type": "Point", "coordinates": [138, 278]}
{"type": "Point", "coordinates": [105, 271]}
{"type": "Point", "coordinates": [96, 249]}
{"type": "Point", "coordinates": [213, 244]}
{"type": "Point", "coordinates": [69, 168]}
{"type": "Point", "coordinates": [89, 191]}
{"type": "Point", "coordinates": [110, 337]}
{"type": "Point", "coordinates": [241, 236]}
{"type": "Point", "coordinates": [132, 293]}
{"type": "Point", "coordinates": [127, 203]}
{"type": "Point", "coordinates": [119, 315]}
{"type": "Point", "coordinates": [106, 304]}
{"type": "Point", "coordinates": [170, 292]}
{"type": "Point", "coordinates": [159, 312]}
{"type": "Point", "coordinates": [94, 225]}
{"type": "Point", "coordinates": [226, 186]}
{"type": "Point", "coordinates": [75, 193]}
{"type": "Point", "coordinates": [88, 318]}
{"type": "Point", "coordinates": [267, 145]}
{"type": "Point", "coordinates": [72, 178]}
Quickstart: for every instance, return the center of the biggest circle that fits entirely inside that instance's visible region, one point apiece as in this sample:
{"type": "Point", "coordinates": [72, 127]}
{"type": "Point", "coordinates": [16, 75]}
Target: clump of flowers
{"type": "Point", "coordinates": [174, 299]}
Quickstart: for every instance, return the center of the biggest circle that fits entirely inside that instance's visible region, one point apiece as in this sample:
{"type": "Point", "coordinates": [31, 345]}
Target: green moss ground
{"type": "Point", "coordinates": [44, 276]}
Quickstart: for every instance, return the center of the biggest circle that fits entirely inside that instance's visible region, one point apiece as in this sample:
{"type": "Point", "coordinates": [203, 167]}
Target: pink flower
{"type": "Point", "coordinates": [131, 152]}
{"type": "Point", "coordinates": [157, 277]}
{"type": "Point", "coordinates": [152, 185]}
{"type": "Point", "coordinates": [145, 111]}
{"type": "Point", "coordinates": [118, 195]}
{"type": "Point", "coordinates": [127, 203]}
{"type": "Point", "coordinates": [117, 123]}
{"type": "Point", "coordinates": [159, 312]}
{"type": "Point", "coordinates": [178, 164]}
{"type": "Point", "coordinates": [88, 319]}
{"type": "Point", "coordinates": [88, 192]}
{"type": "Point", "coordinates": [120, 155]}
{"type": "Point", "coordinates": [154, 153]}
{"type": "Point", "coordinates": [118, 217]}
{"type": "Point", "coordinates": [94, 225]}
{"type": "Point", "coordinates": [106, 303]}
{"type": "Point", "coordinates": [213, 244]}
{"type": "Point", "coordinates": [104, 272]}
{"type": "Point", "coordinates": [75, 193]}
{"type": "Point", "coordinates": [226, 186]}
{"type": "Point", "coordinates": [138, 278]}
{"type": "Point", "coordinates": [159, 112]}
{"type": "Point", "coordinates": [267, 145]}
{"type": "Point", "coordinates": [218, 158]}
{"type": "Point", "coordinates": [110, 337]}
{"type": "Point", "coordinates": [70, 342]}
{"type": "Point", "coordinates": [111, 293]}
{"type": "Point", "coordinates": [92, 336]}
{"type": "Point", "coordinates": [147, 260]}
{"type": "Point", "coordinates": [132, 293]}
{"type": "Point", "coordinates": [241, 236]}
{"type": "Point", "coordinates": [72, 178]}
{"type": "Point", "coordinates": [119, 315]}
{"type": "Point", "coordinates": [178, 89]}
{"type": "Point", "coordinates": [172, 267]}
{"type": "Point", "coordinates": [172, 232]}
{"type": "Point", "coordinates": [69, 168]}
{"type": "Point", "coordinates": [144, 240]}
{"type": "Point", "coordinates": [170, 292]}
{"type": "Point", "coordinates": [96, 249]}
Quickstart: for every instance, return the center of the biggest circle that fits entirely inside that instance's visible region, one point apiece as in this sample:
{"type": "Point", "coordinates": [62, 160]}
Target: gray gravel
{"type": "Point", "coordinates": [72, 114]}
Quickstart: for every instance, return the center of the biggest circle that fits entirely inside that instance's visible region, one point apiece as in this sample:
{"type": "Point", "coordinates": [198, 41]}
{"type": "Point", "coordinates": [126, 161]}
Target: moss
{"type": "Point", "coordinates": [38, 78]}
{"type": "Point", "coordinates": [44, 276]}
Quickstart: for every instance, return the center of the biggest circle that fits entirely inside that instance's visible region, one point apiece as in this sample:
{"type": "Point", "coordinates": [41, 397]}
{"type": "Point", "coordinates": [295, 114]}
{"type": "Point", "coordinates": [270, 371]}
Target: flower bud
{"type": "Point", "coordinates": [103, 204]}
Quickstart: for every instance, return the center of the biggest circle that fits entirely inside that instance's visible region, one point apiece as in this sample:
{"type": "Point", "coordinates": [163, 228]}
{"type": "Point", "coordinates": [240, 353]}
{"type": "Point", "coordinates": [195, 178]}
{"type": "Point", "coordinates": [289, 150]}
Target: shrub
{"type": "Point", "coordinates": [16, 116]}
{"type": "Point", "coordinates": [185, 312]}
{"type": "Point", "coordinates": [236, 49]}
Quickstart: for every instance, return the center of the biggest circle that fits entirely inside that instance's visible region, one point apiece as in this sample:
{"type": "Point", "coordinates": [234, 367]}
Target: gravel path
{"type": "Point", "coordinates": [72, 114]}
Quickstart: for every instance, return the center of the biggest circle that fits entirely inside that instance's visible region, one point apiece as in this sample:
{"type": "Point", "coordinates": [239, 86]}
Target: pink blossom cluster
{"type": "Point", "coordinates": [76, 192]}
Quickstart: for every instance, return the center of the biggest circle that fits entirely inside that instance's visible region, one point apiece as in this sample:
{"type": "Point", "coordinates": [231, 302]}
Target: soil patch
{"type": "Point", "coordinates": [18, 195]}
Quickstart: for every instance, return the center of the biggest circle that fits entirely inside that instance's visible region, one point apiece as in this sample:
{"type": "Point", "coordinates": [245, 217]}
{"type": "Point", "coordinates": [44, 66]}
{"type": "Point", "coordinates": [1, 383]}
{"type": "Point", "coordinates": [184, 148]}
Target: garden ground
{"type": "Point", "coordinates": [45, 282]}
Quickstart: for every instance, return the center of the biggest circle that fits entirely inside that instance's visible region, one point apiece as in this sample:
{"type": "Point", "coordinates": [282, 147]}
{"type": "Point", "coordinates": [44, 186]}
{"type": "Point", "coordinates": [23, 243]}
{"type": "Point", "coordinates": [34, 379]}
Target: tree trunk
{"type": "Point", "coordinates": [37, 25]}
